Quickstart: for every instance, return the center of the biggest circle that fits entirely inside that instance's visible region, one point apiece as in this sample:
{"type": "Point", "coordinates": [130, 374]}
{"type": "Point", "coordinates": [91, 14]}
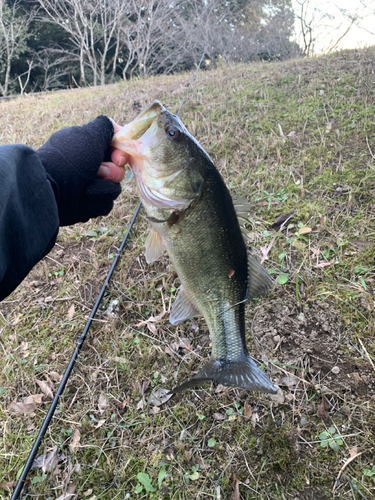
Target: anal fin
{"type": "Point", "coordinates": [182, 308]}
{"type": "Point", "coordinates": [259, 279]}
{"type": "Point", "coordinates": [154, 246]}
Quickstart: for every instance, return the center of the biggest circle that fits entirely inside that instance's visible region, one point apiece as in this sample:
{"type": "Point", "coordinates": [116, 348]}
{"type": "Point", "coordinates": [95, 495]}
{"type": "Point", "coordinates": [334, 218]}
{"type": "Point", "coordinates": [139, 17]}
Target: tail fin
{"type": "Point", "coordinates": [243, 373]}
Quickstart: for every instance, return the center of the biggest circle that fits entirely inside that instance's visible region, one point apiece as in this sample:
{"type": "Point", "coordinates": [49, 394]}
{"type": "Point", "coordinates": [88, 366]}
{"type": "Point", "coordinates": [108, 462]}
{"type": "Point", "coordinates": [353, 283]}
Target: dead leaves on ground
{"type": "Point", "coordinates": [47, 391]}
{"type": "Point", "coordinates": [322, 410]}
{"type": "Point", "coordinates": [74, 439]}
{"type": "Point", "coordinates": [49, 461]}
{"type": "Point", "coordinates": [30, 404]}
{"type": "Point", "coordinates": [27, 406]}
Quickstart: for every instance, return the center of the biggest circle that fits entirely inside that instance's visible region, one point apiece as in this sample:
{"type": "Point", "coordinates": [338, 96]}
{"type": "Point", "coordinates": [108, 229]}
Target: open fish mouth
{"type": "Point", "coordinates": [124, 138]}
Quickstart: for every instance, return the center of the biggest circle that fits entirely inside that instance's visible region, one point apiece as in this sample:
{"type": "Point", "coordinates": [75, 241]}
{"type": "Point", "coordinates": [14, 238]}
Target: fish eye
{"type": "Point", "coordinates": [172, 132]}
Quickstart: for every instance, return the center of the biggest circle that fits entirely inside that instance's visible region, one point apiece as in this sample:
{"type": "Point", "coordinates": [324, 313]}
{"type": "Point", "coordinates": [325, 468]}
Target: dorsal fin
{"type": "Point", "coordinates": [242, 208]}
{"type": "Point", "coordinates": [154, 246]}
{"type": "Point", "coordinates": [259, 279]}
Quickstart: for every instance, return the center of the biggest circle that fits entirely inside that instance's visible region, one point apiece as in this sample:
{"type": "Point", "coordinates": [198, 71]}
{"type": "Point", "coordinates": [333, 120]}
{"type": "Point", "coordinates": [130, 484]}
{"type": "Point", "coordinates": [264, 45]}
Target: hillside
{"type": "Point", "coordinates": [297, 138]}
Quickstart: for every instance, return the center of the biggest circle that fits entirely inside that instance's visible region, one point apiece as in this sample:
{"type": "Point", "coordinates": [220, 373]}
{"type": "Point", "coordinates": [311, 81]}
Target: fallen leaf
{"type": "Point", "coordinates": [120, 360]}
{"type": "Point", "coordinates": [218, 416]}
{"type": "Point", "coordinates": [74, 439]}
{"type": "Point", "coordinates": [185, 344]}
{"type": "Point", "coordinates": [194, 326]}
{"type": "Point", "coordinates": [160, 397]}
{"type": "Point", "coordinates": [45, 389]}
{"type": "Point", "coordinates": [48, 462]}
{"type": "Point", "coordinates": [72, 487]}
{"type": "Point", "coordinates": [25, 408]}
{"type": "Point", "coordinates": [353, 452]}
{"type": "Point", "coordinates": [151, 319]}
{"type": "Point", "coordinates": [236, 488]}
{"type": "Point", "coordinates": [9, 486]}
{"type": "Point", "coordinates": [56, 377]}
{"type": "Point", "coordinates": [304, 230]}
{"type": "Point", "coordinates": [289, 381]}
{"type": "Point", "coordinates": [34, 398]}
{"type": "Point", "coordinates": [277, 398]}
{"type": "Point", "coordinates": [66, 496]}
{"type": "Point", "coordinates": [255, 418]}
{"type": "Point", "coordinates": [145, 385]}
{"type": "Point", "coordinates": [152, 328]}
{"type": "Point", "coordinates": [71, 312]}
{"type": "Point", "coordinates": [281, 219]}
{"type": "Point", "coordinates": [100, 423]}
{"type": "Point", "coordinates": [141, 404]}
{"type": "Point", "coordinates": [247, 413]}
{"type": "Point", "coordinates": [169, 351]}
{"type": "Point", "coordinates": [321, 411]}
{"type": "Point", "coordinates": [103, 402]}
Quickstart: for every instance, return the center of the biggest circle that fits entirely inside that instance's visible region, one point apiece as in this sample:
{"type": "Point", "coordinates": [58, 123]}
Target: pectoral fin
{"type": "Point", "coordinates": [154, 246]}
{"type": "Point", "coordinates": [182, 308]}
{"type": "Point", "coordinates": [243, 373]}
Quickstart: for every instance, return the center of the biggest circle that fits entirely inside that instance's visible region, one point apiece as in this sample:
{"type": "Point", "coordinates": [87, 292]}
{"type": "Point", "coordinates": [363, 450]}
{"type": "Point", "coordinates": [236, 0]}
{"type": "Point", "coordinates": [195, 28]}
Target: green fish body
{"type": "Point", "coordinates": [194, 218]}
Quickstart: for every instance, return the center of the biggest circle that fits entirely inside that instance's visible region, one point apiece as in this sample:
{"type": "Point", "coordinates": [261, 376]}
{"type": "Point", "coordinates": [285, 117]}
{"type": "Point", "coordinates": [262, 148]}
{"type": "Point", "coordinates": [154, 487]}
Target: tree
{"type": "Point", "coordinates": [92, 28]}
{"type": "Point", "coordinates": [14, 33]}
{"type": "Point", "coordinates": [323, 25]}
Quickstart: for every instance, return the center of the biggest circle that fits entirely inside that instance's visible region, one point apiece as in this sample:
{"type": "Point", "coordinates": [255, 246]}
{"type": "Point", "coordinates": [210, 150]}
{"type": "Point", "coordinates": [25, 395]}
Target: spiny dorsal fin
{"type": "Point", "coordinates": [259, 279]}
{"type": "Point", "coordinates": [182, 308]}
{"type": "Point", "coordinates": [154, 246]}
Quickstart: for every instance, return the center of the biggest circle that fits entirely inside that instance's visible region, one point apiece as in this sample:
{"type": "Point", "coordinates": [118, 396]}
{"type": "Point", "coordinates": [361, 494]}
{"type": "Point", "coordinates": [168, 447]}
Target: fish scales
{"type": "Point", "coordinates": [207, 250]}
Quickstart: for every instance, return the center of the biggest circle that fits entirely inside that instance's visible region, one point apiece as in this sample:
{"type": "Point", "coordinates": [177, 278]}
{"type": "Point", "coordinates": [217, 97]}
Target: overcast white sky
{"type": "Point", "coordinates": [329, 23]}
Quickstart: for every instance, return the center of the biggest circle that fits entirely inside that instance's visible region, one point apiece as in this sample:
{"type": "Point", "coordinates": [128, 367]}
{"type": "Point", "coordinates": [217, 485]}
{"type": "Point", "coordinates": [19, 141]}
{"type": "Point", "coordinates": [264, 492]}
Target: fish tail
{"type": "Point", "coordinates": [243, 373]}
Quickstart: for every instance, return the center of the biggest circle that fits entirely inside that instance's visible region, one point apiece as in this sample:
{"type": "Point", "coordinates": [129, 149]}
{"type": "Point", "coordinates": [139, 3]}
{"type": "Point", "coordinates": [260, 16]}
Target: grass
{"type": "Point", "coordinates": [295, 137]}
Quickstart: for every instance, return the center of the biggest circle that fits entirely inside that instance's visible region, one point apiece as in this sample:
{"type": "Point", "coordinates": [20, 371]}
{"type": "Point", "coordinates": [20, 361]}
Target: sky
{"type": "Point", "coordinates": [329, 24]}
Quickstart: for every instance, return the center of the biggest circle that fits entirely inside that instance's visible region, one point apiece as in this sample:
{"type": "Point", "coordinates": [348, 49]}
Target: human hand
{"type": "Point", "coordinates": [84, 170]}
{"type": "Point", "coordinates": [114, 169]}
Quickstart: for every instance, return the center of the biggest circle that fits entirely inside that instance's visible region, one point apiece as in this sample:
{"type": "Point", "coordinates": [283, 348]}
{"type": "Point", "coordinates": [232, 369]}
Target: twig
{"type": "Point", "coordinates": [268, 248]}
{"type": "Point", "coordinates": [368, 145]}
{"type": "Point", "coordinates": [350, 459]}
{"type": "Point", "coordinates": [367, 354]}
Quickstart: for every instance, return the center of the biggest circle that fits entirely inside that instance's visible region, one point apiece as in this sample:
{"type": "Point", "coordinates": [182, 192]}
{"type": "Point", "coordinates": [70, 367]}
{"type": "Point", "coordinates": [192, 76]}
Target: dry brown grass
{"type": "Point", "coordinates": [294, 137]}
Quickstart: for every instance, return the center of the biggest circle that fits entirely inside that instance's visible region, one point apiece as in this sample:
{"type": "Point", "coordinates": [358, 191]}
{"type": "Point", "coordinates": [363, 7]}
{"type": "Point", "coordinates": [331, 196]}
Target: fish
{"type": "Point", "coordinates": [195, 219]}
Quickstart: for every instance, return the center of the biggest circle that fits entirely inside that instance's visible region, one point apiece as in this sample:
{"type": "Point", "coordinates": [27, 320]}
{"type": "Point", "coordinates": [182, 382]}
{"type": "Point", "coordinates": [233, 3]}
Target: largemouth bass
{"type": "Point", "coordinates": [194, 218]}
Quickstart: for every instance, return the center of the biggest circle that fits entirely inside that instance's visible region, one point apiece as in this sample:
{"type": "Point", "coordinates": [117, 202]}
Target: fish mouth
{"type": "Point", "coordinates": [133, 131]}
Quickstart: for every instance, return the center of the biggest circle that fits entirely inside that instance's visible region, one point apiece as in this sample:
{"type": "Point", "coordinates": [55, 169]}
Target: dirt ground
{"type": "Point", "coordinates": [312, 337]}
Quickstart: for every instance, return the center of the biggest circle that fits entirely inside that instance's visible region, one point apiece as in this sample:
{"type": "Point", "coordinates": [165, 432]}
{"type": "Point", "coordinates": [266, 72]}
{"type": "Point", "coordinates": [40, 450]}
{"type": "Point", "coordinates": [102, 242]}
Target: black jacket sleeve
{"type": "Point", "coordinates": [29, 220]}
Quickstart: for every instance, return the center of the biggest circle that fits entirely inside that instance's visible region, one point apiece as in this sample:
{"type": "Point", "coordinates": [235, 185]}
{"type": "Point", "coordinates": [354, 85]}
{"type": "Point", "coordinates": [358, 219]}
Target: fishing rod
{"type": "Point", "coordinates": [34, 450]}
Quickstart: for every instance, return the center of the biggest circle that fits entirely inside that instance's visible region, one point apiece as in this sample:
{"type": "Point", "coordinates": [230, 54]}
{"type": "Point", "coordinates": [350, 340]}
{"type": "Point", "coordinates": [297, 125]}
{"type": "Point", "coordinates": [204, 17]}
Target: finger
{"type": "Point", "coordinates": [109, 170]}
{"type": "Point", "coordinates": [116, 126]}
{"type": "Point", "coordinates": [119, 157]}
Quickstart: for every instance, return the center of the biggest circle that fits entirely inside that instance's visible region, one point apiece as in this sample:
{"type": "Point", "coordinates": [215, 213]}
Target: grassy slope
{"type": "Point", "coordinates": [295, 137]}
